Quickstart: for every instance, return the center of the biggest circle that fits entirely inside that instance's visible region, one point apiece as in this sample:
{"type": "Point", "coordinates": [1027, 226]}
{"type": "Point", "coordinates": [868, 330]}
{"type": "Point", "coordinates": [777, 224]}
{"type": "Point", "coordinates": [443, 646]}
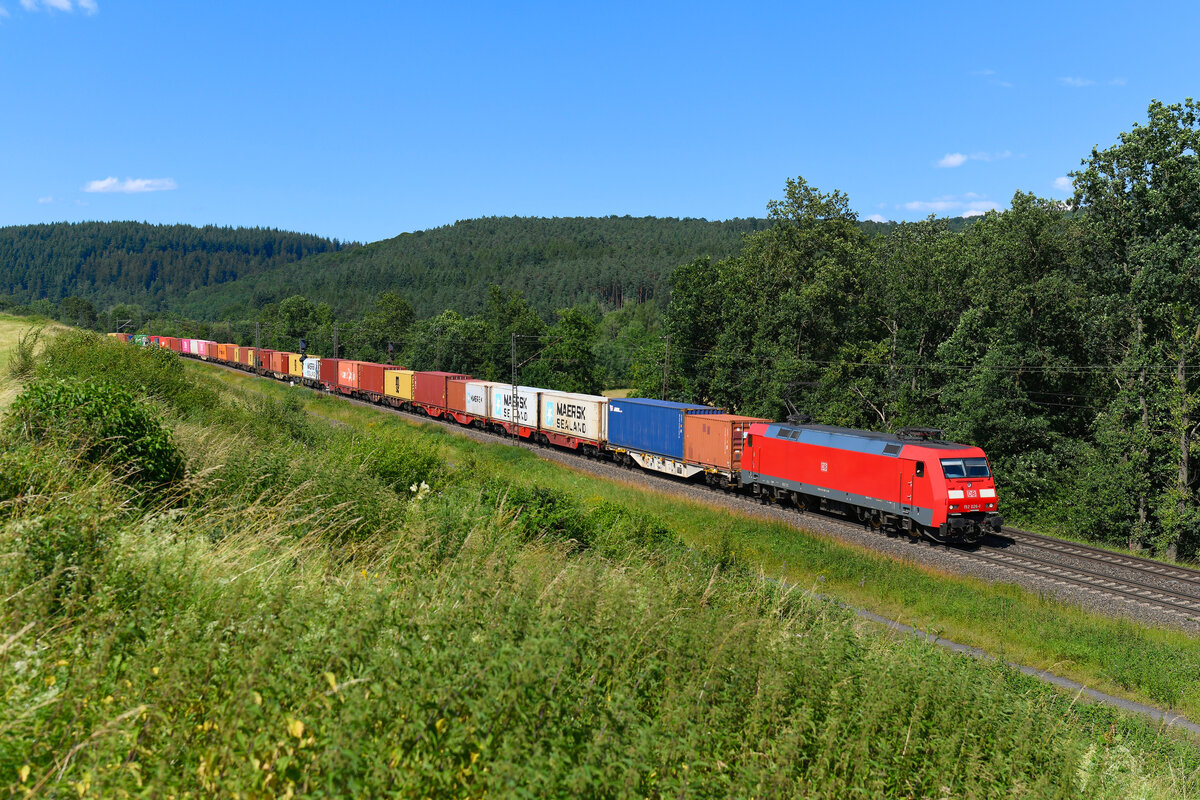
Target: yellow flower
{"type": "Point", "coordinates": [295, 728]}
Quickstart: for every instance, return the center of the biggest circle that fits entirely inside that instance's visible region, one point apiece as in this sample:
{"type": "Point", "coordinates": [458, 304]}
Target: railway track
{"type": "Point", "coordinates": [1166, 588]}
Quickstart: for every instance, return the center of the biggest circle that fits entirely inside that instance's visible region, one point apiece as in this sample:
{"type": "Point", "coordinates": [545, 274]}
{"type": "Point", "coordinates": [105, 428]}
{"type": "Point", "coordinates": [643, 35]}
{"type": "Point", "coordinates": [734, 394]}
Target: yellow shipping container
{"type": "Point", "coordinates": [398, 383]}
{"type": "Point", "coordinates": [295, 366]}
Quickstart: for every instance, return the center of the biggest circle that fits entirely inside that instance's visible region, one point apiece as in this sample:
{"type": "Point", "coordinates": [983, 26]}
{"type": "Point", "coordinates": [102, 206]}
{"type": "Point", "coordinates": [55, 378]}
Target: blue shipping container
{"type": "Point", "coordinates": [650, 426]}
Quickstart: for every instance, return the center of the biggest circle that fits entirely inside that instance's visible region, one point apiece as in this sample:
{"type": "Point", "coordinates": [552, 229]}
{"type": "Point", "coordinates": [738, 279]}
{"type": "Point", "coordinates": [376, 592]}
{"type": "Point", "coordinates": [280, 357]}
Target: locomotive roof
{"type": "Point", "coordinates": [853, 439]}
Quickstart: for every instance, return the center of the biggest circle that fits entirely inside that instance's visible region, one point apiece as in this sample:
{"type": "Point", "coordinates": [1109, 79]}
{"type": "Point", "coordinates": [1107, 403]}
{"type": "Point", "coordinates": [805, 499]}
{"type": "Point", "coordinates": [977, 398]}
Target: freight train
{"type": "Point", "coordinates": [909, 481]}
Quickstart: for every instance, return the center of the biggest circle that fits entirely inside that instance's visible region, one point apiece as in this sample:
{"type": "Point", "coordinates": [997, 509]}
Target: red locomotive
{"type": "Point", "coordinates": [908, 480]}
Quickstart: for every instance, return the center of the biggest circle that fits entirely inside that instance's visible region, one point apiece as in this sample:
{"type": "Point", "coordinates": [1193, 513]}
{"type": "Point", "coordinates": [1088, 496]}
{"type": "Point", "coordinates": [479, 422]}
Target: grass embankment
{"type": "Point", "coordinates": [1157, 666]}
{"type": "Point", "coordinates": [300, 616]}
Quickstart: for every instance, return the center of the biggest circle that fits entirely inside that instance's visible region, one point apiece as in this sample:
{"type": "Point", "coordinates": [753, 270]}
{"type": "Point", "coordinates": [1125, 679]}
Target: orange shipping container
{"type": "Point", "coordinates": [716, 440]}
{"type": "Point", "coordinates": [347, 376]}
{"type": "Point", "coordinates": [456, 394]}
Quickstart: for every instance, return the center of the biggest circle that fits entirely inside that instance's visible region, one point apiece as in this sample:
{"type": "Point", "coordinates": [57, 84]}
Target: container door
{"type": "Point", "coordinates": [907, 474]}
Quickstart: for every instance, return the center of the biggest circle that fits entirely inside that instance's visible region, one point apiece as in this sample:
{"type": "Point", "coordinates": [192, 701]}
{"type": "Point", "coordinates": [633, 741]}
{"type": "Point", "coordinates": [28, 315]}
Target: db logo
{"type": "Point", "coordinates": [824, 466]}
{"type": "Point", "coordinates": [972, 493]}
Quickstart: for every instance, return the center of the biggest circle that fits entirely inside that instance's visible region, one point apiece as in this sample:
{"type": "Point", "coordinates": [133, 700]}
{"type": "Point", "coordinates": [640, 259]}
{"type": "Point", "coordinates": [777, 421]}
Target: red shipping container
{"type": "Point", "coordinates": [456, 394]}
{"type": "Point", "coordinates": [716, 440]}
{"type": "Point", "coordinates": [370, 377]}
{"type": "Point", "coordinates": [246, 356]}
{"type": "Point", "coordinates": [329, 371]}
{"type": "Point", "coordinates": [430, 387]}
{"type": "Point", "coordinates": [279, 361]}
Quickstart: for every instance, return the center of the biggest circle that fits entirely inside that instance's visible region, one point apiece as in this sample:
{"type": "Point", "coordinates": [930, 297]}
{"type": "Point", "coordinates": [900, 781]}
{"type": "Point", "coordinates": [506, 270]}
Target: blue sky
{"type": "Point", "coordinates": [364, 120]}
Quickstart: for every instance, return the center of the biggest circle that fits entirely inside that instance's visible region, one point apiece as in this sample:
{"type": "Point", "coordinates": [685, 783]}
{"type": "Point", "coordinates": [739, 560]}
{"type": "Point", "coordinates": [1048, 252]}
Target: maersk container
{"type": "Point", "coordinates": [716, 440]}
{"type": "Point", "coordinates": [312, 368]}
{"type": "Point", "coordinates": [501, 406]}
{"type": "Point", "coordinates": [650, 426]}
{"type": "Point", "coordinates": [569, 414]}
{"type": "Point", "coordinates": [476, 395]}
{"type": "Point", "coordinates": [398, 383]}
{"type": "Point", "coordinates": [429, 388]}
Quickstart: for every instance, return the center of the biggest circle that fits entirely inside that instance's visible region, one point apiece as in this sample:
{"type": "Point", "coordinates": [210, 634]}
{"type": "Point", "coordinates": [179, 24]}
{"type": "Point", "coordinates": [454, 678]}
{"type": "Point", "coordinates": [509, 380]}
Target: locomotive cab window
{"type": "Point", "coordinates": [965, 468]}
{"type": "Point", "coordinates": [920, 469]}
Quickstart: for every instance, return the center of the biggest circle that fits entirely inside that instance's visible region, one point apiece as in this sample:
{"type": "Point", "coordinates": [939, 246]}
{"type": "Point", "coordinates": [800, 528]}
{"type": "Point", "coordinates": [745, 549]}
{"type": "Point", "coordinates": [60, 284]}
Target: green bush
{"type": "Point", "coordinates": [103, 423]}
{"type": "Point", "coordinates": [22, 361]}
{"type": "Point", "coordinates": [280, 416]}
{"type": "Point", "coordinates": [399, 461]}
{"type": "Point", "coordinates": [146, 371]}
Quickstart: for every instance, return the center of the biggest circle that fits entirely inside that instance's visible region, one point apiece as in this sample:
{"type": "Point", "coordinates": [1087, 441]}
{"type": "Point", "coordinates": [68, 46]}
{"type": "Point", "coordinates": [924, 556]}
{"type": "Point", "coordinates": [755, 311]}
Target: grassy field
{"type": "Point", "coordinates": [1156, 666]}
{"type": "Point", "coordinates": [338, 603]}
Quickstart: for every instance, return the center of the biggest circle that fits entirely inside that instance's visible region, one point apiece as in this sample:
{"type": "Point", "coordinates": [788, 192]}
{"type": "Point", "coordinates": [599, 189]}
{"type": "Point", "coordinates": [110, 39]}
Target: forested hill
{"type": "Point", "coordinates": [556, 262]}
{"type": "Point", "coordinates": [154, 266]}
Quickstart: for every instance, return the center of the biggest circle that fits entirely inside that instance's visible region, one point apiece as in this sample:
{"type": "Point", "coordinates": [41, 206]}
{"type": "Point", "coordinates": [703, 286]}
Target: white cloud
{"type": "Point", "coordinates": [89, 7]}
{"type": "Point", "coordinates": [958, 159]}
{"type": "Point", "coordinates": [1076, 83]}
{"type": "Point", "coordinates": [3, 12]}
{"type": "Point", "coordinates": [131, 185]}
{"type": "Point", "coordinates": [44, 200]}
{"type": "Point", "coordinates": [876, 218]}
{"type": "Point", "coordinates": [1118, 82]}
{"type": "Point", "coordinates": [966, 205]}
{"type": "Point", "coordinates": [1064, 184]}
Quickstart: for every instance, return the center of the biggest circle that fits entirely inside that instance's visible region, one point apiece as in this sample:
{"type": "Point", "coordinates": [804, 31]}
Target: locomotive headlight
{"type": "Point", "coordinates": [990, 505]}
{"type": "Point", "coordinates": [953, 508]}
{"type": "Point", "coordinates": [955, 494]}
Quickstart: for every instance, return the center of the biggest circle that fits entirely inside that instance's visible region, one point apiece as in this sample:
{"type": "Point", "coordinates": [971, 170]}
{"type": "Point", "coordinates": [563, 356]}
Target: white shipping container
{"type": "Point", "coordinates": [580, 415]}
{"type": "Point", "coordinates": [312, 369]}
{"type": "Point", "coordinates": [477, 393]}
{"type": "Point", "coordinates": [501, 407]}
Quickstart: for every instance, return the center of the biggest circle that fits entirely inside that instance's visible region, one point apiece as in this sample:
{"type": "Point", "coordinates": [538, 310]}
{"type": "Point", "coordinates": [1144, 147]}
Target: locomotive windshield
{"type": "Point", "coordinates": [965, 468]}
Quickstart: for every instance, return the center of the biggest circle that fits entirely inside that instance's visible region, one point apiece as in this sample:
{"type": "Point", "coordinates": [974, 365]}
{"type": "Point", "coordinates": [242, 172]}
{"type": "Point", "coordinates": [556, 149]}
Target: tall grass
{"type": "Point", "coordinates": [295, 620]}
